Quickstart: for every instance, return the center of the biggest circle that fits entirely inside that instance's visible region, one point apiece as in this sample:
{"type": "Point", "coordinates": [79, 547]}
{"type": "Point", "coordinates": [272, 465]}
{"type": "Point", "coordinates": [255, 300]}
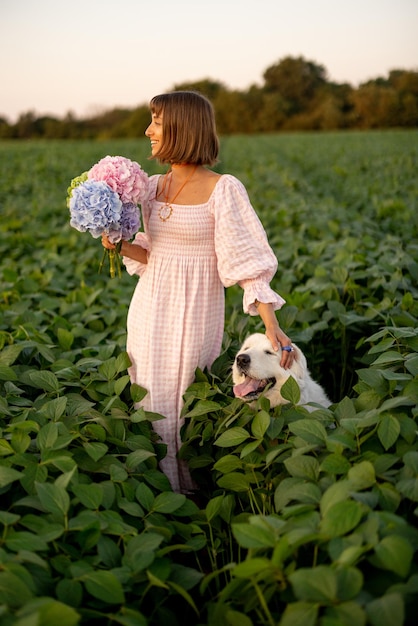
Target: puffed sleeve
{"type": "Point", "coordinates": [142, 238]}
{"type": "Point", "coordinates": [242, 249]}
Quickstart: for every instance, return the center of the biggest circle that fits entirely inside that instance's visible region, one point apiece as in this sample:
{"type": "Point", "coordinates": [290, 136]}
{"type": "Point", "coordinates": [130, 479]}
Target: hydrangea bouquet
{"type": "Point", "coordinates": [106, 200]}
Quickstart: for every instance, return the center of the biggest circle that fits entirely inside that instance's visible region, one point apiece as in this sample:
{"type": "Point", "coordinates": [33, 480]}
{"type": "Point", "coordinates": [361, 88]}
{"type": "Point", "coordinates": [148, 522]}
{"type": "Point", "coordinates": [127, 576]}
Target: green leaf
{"type": "Point", "coordinates": [54, 499]}
{"type": "Point", "coordinates": [186, 577]}
{"type": "Point", "coordinates": [309, 430]}
{"type": "Point", "coordinates": [95, 449]}
{"type": "Point", "coordinates": [7, 373]}
{"type": "Point", "coordinates": [202, 407]}
{"type": "Point", "coordinates": [249, 536]}
{"type": "Point", "coordinates": [184, 594]}
{"type": "Point", "coordinates": [137, 393]}
{"type": "Point", "coordinates": [5, 448]}
{"type": "Point", "coordinates": [303, 466]}
{"type": "Point", "coordinates": [411, 364]}
{"type": "Point", "coordinates": [141, 551]}
{"type": "Point", "coordinates": [351, 555]}
{"type": "Point", "coordinates": [70, 592]}
{"type": "Point", "coordinates": [7, 519]}
{"type": "Point", "coordinates": [388, 610]}
{"type": "Point", "coordinates": [213, 507]}
{"type": "Point", "coordinates": [298, 490]}
{"type": "Point", "coordinates": [410, 459]}
{"type": "Point", "coordinates": [55, 409]}
{"type": "Point", "coordinates": [135, 458]}
{"type": "Point", "coordinates": [232, 437]}
{"type": "Point", "coordinates": [129, 617]}
{"type": "Point", "coordinates": [228, 463]}
{"type": "Point", "coordinates": [337, 492]}
{"type": "Point", "coordinates": [90, 496]}
{"type": "Point", "coordinates": [65, 339]}
{"type": "Point", "coordinates": [250, 447]}
{"type": "Point", "coordinates": [20, 441]}
{"type": "Point", "coordinates": [108, 369]}
{"type": "Point", "coordinates": [45, 380]}
{"type": "Point", "coordinates": [388, 430]}
{"type": "Point", "coordinates": [47, 436]}
{"type": "Point", "coordinates": [104, 586]}
{"type": "Point", "coordinates": [389, 497]}
{"type": "Point", "coordinates": [236, 618]}
{"type": "Point", "coordinates": [9, 354]}
{"type": "Point", "coordinates": [117, 473]}
{"type": "Point", "coordinates": [350, 582]}
{"type": "Point", "coordinates": [122, 362]}
{"type": "Point", "coordinates": [146, 542]}
{"type": "Point", "coordinates": [155, 581]}
{"type": "Point", "coordinates": [346, 614]}
{"type": "Point", "coordinates": [299, 614]}
{"type": "Point", "coordinates": [235, 481]}
{"type": "Point", "coordinates": [251, 567]}
{"type": "Point", "coordinates": [8, 475]}
{"type": "Point", "coordinates": [290, 391]}
{"type": "Point", "coordinates": [361, 476]}
{"type": "Point", "coordinates": [395, 554]}
{"type": "Point", "coordinates": [388, 358]}
{"type": "Point", "coordinates": [260, 424]}
{"type": "Point", "coordinates": [168, 502]}
{"type": "Point", "coordinates": [131, 508]}
{"type": "Point", "coordinates": [335, 464]}
{"type": "Point", "coordinates": [316, 584]}
{"type": "Point", "coordinates": [13, 591]}
{"type": "Point", "coordinates": [23, 540]}
{"type": "Point", "coordinates": [144, 496]}
{"type": "Point", "coordinates": [341, 518]}
{"type": "Point", "coordinates": [121, 383]}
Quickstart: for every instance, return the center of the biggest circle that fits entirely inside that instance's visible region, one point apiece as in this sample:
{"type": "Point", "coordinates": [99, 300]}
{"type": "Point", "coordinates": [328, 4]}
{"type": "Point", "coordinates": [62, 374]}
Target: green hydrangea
{"type": "Point", "coordinates": [74, 183]}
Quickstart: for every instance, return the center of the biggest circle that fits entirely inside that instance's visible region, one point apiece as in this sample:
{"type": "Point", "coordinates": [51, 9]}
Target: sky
{"type": "Point", "coordinates": [88, 56]}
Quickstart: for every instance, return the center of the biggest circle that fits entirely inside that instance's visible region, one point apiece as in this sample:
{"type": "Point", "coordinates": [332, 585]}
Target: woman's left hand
{"type": "Point", "coordinates": [278, 340]}
{"type": "Point", "coordinates": [277, 337]}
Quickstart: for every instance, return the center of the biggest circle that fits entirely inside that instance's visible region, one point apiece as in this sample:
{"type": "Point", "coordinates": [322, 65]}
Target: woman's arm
{"type": "Point", "coordinates": [130, 250]}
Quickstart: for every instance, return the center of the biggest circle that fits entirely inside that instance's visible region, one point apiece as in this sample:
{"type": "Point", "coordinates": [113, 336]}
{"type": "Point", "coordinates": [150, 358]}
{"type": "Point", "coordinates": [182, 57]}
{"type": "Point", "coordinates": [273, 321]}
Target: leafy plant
{"type": "Point", "coordinates": [299, 518]}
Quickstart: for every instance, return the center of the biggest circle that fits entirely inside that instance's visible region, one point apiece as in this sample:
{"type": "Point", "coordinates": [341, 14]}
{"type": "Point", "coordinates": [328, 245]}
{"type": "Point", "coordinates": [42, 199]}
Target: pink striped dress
{"type": "Point", "coordinates": [176, 316]}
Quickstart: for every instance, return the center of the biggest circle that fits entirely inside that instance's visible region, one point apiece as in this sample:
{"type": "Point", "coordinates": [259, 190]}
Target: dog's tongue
{"type": "Point", "coordinates": [248, 386]}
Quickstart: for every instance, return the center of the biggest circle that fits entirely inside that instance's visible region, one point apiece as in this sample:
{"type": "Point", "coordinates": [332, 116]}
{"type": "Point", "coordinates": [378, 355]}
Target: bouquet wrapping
{"type": "Point", "coordinates": [106, 200]}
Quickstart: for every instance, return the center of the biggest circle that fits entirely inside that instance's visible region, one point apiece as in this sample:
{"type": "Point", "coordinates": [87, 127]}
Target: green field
{"type": "Point", "coordinates": [297, 522]}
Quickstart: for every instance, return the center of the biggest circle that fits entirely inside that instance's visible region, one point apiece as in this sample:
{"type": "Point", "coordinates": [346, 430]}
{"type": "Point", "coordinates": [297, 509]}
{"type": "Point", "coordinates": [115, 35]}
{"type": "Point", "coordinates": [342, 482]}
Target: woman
{"type": "Point", "coordinates": [201, 234]}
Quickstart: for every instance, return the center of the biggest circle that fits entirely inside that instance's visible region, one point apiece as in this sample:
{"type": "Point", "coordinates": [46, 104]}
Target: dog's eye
{"type": "Point", "coordinates": [268, 352]}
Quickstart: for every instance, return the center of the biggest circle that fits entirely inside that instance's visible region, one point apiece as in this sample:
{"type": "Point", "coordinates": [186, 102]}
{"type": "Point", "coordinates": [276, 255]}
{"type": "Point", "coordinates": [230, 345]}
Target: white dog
{"type": "Point", "coordinates": [257, 370]}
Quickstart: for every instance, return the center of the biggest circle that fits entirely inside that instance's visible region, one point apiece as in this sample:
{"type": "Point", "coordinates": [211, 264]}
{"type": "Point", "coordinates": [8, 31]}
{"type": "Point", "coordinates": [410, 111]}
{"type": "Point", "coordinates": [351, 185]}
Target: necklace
{"type": "Point", "coordinates": [165, 211]}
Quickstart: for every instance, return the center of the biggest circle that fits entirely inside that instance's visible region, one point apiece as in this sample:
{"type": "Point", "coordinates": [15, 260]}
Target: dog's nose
{"type": "Point", "coordinates": [243, 360]}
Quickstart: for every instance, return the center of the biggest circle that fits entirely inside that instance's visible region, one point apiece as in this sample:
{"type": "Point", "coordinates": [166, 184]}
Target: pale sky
{"type": "Point", "coordinates": [86, 56]}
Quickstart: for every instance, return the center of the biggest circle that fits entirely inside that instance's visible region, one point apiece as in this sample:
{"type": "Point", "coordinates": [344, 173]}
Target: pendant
{"type": "Point", "coordinates": [164, 212]}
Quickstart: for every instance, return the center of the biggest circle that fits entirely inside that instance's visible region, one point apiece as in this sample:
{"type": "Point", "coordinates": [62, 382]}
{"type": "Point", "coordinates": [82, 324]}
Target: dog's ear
{"type": "Point", "coordinates": [299, 365]}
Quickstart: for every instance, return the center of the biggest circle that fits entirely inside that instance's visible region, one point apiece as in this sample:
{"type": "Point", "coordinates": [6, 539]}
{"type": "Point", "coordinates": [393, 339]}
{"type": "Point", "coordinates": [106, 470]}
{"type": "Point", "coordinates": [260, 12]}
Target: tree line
{"type": "Point", "coordinates": [296, 94]}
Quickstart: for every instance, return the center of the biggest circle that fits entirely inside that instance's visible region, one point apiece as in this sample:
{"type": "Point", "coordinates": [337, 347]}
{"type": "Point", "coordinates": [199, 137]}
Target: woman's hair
{"type": "Point", "coordinates": [189, 129]}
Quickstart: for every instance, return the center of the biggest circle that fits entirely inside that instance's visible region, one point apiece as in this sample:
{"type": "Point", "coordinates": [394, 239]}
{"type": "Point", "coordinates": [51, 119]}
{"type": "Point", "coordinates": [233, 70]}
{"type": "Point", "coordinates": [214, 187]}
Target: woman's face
{"type": "Point", "coordinates": [154, 132]}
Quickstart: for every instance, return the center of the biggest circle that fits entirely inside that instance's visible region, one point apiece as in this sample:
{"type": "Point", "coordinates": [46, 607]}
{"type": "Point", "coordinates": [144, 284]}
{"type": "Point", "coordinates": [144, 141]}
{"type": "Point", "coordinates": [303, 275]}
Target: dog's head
{"type": "Point", "coordinates": [257, 370]}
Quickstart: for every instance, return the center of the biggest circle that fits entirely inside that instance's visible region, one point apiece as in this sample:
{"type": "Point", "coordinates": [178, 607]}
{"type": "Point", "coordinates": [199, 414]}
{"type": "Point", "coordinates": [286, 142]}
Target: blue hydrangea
{"type": "Point", "coordinates": [95, 208]}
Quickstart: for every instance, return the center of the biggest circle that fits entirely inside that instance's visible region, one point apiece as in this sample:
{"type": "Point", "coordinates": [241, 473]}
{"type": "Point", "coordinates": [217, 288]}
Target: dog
{"type": "Point", "coordinates": [256, 370]}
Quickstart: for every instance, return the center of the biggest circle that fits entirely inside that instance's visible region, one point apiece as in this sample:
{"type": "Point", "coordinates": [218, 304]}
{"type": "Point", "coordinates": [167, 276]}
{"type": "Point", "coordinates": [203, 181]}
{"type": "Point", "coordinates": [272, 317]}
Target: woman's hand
{"type": "Point", "coordinates": [277, 337]}
{"type": "Point", "coordinates": [106, 243]}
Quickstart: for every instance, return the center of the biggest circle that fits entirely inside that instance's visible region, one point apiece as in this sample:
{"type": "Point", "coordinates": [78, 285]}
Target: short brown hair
{"type": "Point", "coordinates": [189, 128]}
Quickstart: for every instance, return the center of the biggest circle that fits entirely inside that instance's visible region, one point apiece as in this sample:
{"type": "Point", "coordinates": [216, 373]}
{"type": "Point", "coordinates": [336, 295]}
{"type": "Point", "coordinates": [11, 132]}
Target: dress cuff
{"type": "Point", "coordinates": [258, 290]}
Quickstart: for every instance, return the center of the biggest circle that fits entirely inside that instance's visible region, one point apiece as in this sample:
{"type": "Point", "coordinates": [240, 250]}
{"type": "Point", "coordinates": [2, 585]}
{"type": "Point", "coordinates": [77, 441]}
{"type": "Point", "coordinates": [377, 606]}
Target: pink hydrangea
{"type": "Point", "coordinates": [123, 176]}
